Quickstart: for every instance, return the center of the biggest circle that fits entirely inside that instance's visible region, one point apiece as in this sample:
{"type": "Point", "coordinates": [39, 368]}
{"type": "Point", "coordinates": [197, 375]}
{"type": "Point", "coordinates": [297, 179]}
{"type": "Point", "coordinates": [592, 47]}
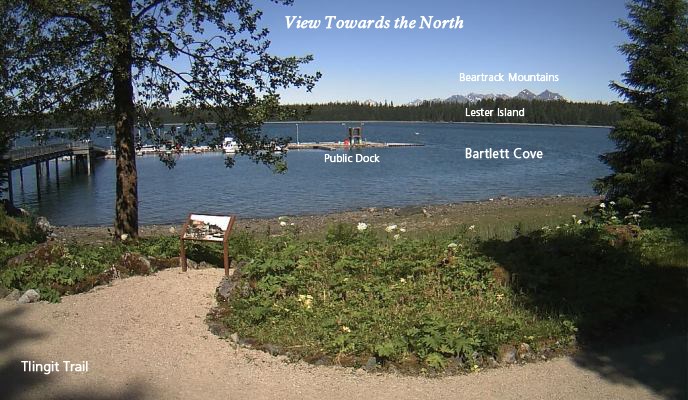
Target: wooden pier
{"type": "Point", "coordinates": [19, 158]}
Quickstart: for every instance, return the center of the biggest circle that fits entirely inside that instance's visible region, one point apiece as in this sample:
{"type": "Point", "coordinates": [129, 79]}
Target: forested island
{"type": "Point", "coordinates": [560, 112]}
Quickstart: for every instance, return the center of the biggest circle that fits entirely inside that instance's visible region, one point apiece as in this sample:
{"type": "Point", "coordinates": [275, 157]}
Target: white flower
{"type": "Point", "coordinates": [579, 222]}
{"type": "Point", "coordinates": [283, 223]}
{"type": "Point", "coordinates": [402, 230]}
{"type": "Point", "coordinates": [402, 280]}
{"type": "Point", "coordinates": [346, 329]}
{"type": "Point", "coordinates": [612, 203]}
{"type": "Point", "coordinates": [613, 218]}
{"type": "Point", "coordinates": [362, 226]}
{"type": "Point", "coordinates": [636, 216]}
{"type": "Point", "coordinates": [602, 205]}
{"type": "Point", "coordinates": [397, 236]}
{"type": "Point", "coordinates": [124, 237]}
{"type": "Point", "coordinates": [573, 216]}
{"type": "Point", "coordinates": [292, 224]}
{"type": "Point", "coordinates": [390, 228]}
{"type": "Point", "coordinates": [307, 300]}
{"type": "Point", "coordinates": [646, 206]}
{"type": "Point", "coordinates": [472, 227]}
{"type": "Point", "coordinates": [452, 245]}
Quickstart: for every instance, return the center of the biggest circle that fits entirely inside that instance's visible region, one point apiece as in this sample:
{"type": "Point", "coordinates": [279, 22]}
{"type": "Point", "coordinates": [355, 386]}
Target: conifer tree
{"type": "Point", "coordinates": [650, 163]}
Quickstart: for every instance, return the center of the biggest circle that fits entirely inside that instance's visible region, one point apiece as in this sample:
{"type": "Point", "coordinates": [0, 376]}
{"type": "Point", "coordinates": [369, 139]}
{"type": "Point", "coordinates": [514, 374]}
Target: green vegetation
{"type": "Point", "coordinates": [537, 112]}
{"type": "Point", "coordinates": [56, 269]}
{"type": "Point", "coordinates": [447, 301]}
{"type": "Point", "coordinates": [650, 163]}
{"type": "Point", "coordinates": [423, 299]}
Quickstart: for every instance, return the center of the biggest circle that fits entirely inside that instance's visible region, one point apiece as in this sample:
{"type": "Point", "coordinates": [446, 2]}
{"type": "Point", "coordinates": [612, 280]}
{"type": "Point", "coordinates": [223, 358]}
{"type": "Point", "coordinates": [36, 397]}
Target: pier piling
{"type": "Point", "coordinates": [38, 179]}
{"type": "Point", "coordinates": [10, 193]}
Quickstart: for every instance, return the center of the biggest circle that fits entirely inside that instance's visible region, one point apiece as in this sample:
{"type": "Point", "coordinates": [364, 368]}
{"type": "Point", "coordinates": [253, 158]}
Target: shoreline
{"type": "Point", "coordinates": [382, 121]}
{"type": "Point", "coordinates": [437, 122]}
{"type": "Point", "coordinates": [416, 217]}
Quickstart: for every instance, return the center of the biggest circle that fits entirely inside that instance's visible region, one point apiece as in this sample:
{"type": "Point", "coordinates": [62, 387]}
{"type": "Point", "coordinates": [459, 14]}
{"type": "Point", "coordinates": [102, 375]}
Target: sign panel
{"type": "Point", "coordinates": [210, 228]}
{"type": "Point", "coordinates": [207, 227]}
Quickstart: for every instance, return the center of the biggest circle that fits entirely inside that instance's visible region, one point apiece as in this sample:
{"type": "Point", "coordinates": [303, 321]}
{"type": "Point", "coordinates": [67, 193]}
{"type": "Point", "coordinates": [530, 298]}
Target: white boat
{"type": "Point", "coordinates": [148, 149]}
{"type": "Point", "coordinates": [230, 146]}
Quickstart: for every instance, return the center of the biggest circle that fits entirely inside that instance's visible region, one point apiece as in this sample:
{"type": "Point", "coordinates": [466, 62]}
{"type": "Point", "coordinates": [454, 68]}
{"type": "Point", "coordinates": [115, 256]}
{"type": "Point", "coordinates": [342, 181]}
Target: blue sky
{"type": "Point", "coordinates": [575, 39]}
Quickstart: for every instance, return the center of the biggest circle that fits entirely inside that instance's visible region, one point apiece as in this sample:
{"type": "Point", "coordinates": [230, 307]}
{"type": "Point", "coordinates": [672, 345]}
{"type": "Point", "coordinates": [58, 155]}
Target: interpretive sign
{"type": "Point", "coordinates": [208, 228]}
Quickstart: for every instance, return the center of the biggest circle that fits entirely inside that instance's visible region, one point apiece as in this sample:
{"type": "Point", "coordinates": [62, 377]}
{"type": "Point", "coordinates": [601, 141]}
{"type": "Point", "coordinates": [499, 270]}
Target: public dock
{"type": "Point", "coordinates": [332, 146]}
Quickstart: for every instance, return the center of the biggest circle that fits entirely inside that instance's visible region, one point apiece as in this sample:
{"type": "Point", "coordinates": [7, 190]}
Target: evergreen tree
{"type": "Point", "coordinates": [651, 160]}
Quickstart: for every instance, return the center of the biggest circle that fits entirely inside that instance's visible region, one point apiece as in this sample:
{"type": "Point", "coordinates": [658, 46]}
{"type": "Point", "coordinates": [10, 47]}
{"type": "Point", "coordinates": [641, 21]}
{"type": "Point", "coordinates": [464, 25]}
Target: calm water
{"type": "Point", "coordinates": [435, 173]}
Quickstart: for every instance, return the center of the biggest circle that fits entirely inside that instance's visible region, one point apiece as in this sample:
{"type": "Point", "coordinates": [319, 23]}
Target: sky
{"type": "Point", "coordinates": [574, 39]}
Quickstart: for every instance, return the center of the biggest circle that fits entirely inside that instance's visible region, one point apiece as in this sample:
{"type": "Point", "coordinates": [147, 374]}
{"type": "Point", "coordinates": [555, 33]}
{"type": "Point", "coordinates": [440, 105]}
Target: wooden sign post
{"type": "Point", "coordinates": [207, 228]}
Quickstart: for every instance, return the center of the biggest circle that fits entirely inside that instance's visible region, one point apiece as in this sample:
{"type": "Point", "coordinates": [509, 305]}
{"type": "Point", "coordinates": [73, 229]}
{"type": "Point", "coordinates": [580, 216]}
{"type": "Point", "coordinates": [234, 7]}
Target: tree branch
{"type": "Point", "coordinates": [147, 8]}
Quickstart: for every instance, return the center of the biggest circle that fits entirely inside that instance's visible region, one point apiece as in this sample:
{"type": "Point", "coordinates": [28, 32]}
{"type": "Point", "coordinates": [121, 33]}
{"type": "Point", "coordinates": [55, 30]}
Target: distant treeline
{"type": "Point", "coordinates": [536, 112]}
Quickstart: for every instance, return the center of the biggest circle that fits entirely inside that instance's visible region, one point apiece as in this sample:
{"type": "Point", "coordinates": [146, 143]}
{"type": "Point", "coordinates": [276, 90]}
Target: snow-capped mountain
{"type": "Point", "coordinates": [475, 97]}
{"type": "Point", "coordinates": [547, 95]}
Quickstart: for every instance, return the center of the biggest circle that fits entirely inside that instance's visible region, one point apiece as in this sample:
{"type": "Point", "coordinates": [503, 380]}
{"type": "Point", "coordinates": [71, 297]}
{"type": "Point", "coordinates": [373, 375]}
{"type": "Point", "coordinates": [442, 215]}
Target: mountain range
{"type": "Point", "coordinates": [475, 97]}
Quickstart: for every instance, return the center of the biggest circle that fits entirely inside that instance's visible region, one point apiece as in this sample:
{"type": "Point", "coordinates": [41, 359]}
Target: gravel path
{"type": "Point", "coordinates": [145, 337]}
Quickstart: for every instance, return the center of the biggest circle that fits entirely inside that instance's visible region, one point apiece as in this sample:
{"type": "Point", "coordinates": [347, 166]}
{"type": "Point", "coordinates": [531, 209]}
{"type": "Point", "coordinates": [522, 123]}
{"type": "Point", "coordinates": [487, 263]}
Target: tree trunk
{"type": "Point", "coordinates": [126, 206]}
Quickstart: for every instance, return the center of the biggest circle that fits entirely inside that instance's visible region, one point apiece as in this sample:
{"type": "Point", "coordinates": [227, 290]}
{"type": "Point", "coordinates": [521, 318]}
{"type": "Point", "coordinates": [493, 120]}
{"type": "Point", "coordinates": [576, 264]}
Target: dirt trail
{"type": "Point", "coordinates": [145, 337]}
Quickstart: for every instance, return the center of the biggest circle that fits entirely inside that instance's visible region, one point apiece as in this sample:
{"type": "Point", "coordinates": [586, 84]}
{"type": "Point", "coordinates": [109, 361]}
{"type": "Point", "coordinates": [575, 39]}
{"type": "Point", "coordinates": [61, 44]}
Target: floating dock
{"type": "Point", "coordinates": [332, 146]}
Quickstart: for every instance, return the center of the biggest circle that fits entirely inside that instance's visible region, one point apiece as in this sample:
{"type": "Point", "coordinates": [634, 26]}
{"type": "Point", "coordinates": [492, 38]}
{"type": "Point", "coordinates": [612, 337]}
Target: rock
{"type": "Point", "coordinates": [408, 211]}
{"type": "Point", "coordinates": [30, 296]}
{"type": "Point", "coordinates": [191, 264]}
{"type": "Point", "coordinates": [477, 358]}
{"type": "Point", "coordinates": [204, 265]}
{"type": "Point", "coordinates": [524, 351]}
{"type": "Point", "coordinates": [43, 225]}
{"type": "Point", "coordinates": [14, 295]}
{"type": "Point", "coordinates": [492, 362]}
{"type": "Point", "coordinates": [506, 354]}
{"type": "Point", "coordinates": [426, 213]}
{"type": "Point", "coordinates": [234, 337]}
{"type": "Point", "coordinates": [371, 364]}
{"type": "Point", "coordinates": [4, 291]}
{"type": "Point", "coordinates": [224, 290]}
{"type": "Point", "coordinates": [324, 360]}
{"type": "Point", "coordinates": [164, 263]}
{"type": "Point", "coordinates": [272, 349]}
{"type": "Point", "coordinates": [458, 360]}
{"type": "Point", "coordinates": [172, 230]}
{"type": "Point", "coordinates": [134, 264]}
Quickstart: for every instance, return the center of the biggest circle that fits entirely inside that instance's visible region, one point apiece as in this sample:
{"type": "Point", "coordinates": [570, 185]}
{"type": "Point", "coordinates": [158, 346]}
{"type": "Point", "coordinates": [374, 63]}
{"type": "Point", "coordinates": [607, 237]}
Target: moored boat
{"type": "Point", "coordinates": [230, 146]}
